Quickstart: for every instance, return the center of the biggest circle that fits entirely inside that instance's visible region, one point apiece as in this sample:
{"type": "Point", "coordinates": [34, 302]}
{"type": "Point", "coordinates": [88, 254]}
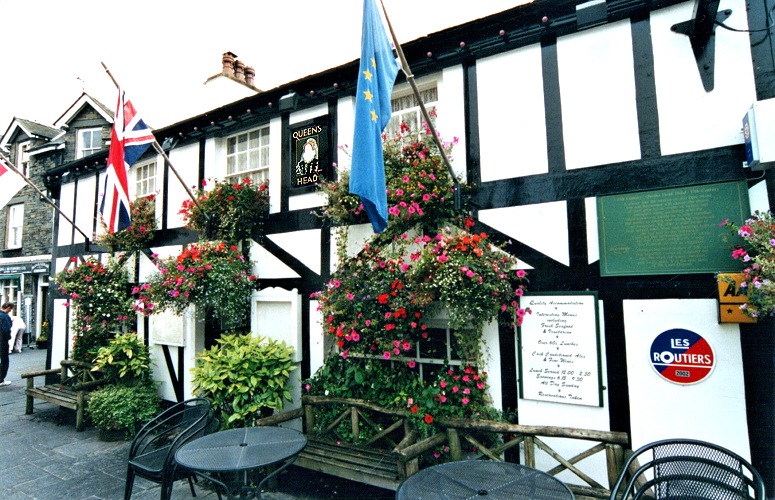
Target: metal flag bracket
{"type": "Point", "coordinates": [701, 30]}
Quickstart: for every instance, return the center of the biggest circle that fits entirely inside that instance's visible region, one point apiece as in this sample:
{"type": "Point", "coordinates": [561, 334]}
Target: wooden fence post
{"type": "Point", "coordinates": [455, 451]}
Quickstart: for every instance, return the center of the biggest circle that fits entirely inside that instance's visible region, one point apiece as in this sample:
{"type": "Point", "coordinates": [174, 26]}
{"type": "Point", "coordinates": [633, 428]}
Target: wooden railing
{"type": "Point", "coordinates": [392, 452]}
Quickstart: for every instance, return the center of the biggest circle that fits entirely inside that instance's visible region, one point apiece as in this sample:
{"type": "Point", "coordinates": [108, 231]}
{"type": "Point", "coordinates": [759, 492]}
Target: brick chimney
{"type": "Point", "coordinates": [228, 63]}
{"type": "Point", "coordinates": [239, 69]}
{"type": "Point", "coordinates": [250, 75]}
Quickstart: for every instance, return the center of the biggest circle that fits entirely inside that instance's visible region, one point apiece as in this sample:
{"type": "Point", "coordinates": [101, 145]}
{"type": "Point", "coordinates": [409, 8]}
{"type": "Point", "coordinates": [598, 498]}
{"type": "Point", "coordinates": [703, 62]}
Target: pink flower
{"type": "Point", "coordinates": [411, 363]}
{"type": "Point", "coordinates": [406, 178]}
{"type": "Point", "coordinates": [406, 346]}
{"type": "Point", "coordinates": [455, 388]}
{"type": "Point", "coordinates": [88, 278]}
{"type": "Point", "coordinates": [396, 351]}
{"type": "Point", "coordinates": [464, 401]}
{"type": "Point", "coordinates": [520, 273]}
{"type": "Point", "coordinates": [466, 391]}
{"type": "Point", "coordinates": [443, 384]}
{"type": "Point", "coordinates": [355, 337]}
{"type": "Point", "coordinates": [344, 354]}
{"type": "Point", "coordinates": [350, 296]}
{"type": "Point", "coordinates": [470, 274]}
{"type": "Point", "coordinates": [442, 258]}
{"type": "Point", "coordinates": [386, 355]}
{"type": "Point", "coordinates": [368, 322]}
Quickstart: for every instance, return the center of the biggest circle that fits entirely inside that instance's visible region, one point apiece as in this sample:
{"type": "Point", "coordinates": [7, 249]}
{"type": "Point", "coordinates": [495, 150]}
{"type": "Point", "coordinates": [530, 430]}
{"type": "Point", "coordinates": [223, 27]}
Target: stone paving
{"type": "Point", "coordinates": [42, 457]}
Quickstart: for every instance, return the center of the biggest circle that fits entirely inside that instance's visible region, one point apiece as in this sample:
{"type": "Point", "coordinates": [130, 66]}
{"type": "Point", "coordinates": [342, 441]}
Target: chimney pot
{"type": "Point", "coordinates": [239, 69]}
{"type": "Point", "coordinates": [250, 75]}
{"type": "Point", "coordinates": [228, 63]}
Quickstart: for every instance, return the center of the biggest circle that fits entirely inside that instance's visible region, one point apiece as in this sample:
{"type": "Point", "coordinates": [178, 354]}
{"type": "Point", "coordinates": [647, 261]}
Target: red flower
{"type": "Point", "coordinates": [428, 419]}
{"type": "Point", "coordinates": [383, 298]}
{"type": "Point", "coordinates": [415, 409]}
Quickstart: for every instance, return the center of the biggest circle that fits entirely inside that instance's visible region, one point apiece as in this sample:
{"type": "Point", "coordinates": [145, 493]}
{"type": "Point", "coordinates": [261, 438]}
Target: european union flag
{"type": "Point", "coordinates": [378, 70]}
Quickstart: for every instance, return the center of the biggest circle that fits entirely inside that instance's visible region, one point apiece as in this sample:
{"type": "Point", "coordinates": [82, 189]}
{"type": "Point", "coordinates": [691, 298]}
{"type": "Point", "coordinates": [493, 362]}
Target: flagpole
{"type": "Point", "coordinates": [410, 78]}
{"type": "Point", "coordinates": [7, 163]}
{"type": "Point", "coordinates": [167, 161]}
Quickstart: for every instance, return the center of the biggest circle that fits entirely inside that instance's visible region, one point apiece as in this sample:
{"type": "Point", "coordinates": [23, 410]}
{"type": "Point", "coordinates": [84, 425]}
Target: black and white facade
{"type": "Point", "coordinates": [555, 106]}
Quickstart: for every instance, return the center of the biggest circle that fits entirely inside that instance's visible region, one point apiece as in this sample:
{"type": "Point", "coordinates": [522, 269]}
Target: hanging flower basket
{"type": "Point", "coordinates": [209, 274]}
{"type": "Point", "coordinates": [236, 210]}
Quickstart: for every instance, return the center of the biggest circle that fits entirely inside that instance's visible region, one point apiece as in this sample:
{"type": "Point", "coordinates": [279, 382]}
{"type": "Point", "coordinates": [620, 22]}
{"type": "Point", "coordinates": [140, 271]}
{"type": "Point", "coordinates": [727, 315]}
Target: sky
{"type": "Point", "coordinates": [162, 51]}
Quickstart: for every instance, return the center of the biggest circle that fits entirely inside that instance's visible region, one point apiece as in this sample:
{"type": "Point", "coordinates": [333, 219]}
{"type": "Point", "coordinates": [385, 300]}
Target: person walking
{"type": "Point", "coordinates": [5, 336]}
{"type": "Point", "coordinates": [18, 327]}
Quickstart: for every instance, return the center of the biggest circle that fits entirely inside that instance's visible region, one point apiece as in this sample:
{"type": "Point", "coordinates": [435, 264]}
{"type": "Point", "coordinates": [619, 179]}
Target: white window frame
{"type": "Point", "coordinates": [437, 328]}
{"type": "Point", "coordinates": [83, 151]}
{"type": "Point", "coordinates": [23, 157]}
{"type": "Point", "coordinates": [145, 179]}
{"type": "Point", "coordinates": [239, 158]}
{"type": "Point", "coordinates": [15, 226]}
{"type": "Point", "coordinates": [406, 108]}
{"type": "Point", "coordinates": [9, 290]}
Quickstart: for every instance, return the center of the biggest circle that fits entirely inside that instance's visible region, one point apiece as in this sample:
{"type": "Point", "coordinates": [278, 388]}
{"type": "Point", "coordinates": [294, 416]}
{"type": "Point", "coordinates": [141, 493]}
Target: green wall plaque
{"type": "Point", "coordinates": [670, 231]}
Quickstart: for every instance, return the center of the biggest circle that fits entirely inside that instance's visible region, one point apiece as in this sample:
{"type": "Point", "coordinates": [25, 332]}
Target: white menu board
{"type": "Point", "coordinates": [559, 349]}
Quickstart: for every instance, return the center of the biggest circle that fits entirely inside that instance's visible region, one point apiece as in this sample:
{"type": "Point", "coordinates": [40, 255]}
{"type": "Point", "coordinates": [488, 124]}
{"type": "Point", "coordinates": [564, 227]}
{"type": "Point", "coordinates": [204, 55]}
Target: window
{"type": "Point", "coordinates": [145, 179]}
{"type": "Point", "coordinates": [247, 155]}
{"type": "Point", "coordinates": [13, 238]}
{"type": "Point", "coordinates": [23, 158]}
{"type": "Point", "coordinates": [406, 109]}
{"type": "Point", "coordinates": [9, 290]}
{"type": "Point", "coordinates": [89, 141]}
{"type": "Point", "coordinates": [432, 354]}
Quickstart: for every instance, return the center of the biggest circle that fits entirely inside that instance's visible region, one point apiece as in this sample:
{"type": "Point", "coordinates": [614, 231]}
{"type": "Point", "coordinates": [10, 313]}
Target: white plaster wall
{"type": "Point", "coordinates": [193, 328]}
{"type": "Point", "coordinates": [185, 159]}
{"type": "Point", "coordinates": [593, 243]}
{"type": "Point", "coordinates": [691, 119]}
{"type": "Point", "coordinates": [59, 334]}
{"type": "Point", "coordinates": [451, 119]}
{"type": "Point", "coordinates": [597, 88]}
{"type": "Point", "coordinates": [215, 158]}
{"type": "Point", "coordinates": [542, 226]}
{"type": "Point", "coordinates": [510, 90]}
{"type": "Point", "coordinates": [85, 203]}
{"type": "Point", "coordinates": [66, 204]}
{"type": "Point", "coordinates": [308, 114]}
{"type": "Point", "coordinates": [757, 197]}
{"type": "Point", "coordinates": [306, 200]}
{"type": "Point", "coordinates": [267, 266]}
{"type": "Point", "coordinates": [304, 245]}
{"type": "Point", "coordinates": [317, 352]}
{"type": "Point", "coordinates": [357, 235]}
{"type": "Point", "coordinates": [275, 164]}
{"type": "Point", "coordinates": [711, 410]}
{"type": "Point", "coordinates": [576, 416]}
{"type": "Point", "coordinates": [345, 124]}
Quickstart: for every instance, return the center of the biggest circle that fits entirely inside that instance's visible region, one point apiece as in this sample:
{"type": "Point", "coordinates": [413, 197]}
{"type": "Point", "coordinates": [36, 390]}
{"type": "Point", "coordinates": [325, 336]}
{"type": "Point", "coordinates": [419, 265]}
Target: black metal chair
{"type": "Point", "coordinates": [687, 469]}
{"type": "Point", "coordinates": [152, 453]}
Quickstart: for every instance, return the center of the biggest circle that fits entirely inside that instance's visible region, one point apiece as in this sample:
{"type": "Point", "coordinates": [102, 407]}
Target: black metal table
{"type": "Point", "coordinates": [484, 480]}
{"type": "Point", "coordinates": [235, 452]}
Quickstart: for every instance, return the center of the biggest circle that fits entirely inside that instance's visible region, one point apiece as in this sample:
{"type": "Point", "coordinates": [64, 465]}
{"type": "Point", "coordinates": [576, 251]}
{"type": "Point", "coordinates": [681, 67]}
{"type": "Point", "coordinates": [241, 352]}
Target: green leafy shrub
{"type": "Point", "coordinates": [125, 361]}
{"type": "Point", "coordinates": [116, 407]}
{"type": "Point", "coordinates": [244, 376]}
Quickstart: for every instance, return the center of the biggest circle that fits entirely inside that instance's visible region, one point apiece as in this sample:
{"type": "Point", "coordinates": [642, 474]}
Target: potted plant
{"type": "Point", "coordinates": [130, 399]}
{"type": "Point", "coordinates": [244, 377]}
{"type": "Point", "coordinates": [42, 341]}
{"type": "Point", "coordinates": [119, 411]}
{"type": "Point", "coordinates": [757, 254]}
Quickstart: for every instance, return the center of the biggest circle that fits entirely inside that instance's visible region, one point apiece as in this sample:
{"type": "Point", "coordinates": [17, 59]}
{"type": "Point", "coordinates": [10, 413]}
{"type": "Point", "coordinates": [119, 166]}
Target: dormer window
{"type": "Point", "coordinates": [23, 157]}
{"type": "Point", "coordinates": [89, 141]}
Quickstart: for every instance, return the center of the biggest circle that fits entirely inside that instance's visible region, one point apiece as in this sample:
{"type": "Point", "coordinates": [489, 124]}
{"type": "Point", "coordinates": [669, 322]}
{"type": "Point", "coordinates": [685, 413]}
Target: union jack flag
{"type": "Point", "coordinates": [129, 139]}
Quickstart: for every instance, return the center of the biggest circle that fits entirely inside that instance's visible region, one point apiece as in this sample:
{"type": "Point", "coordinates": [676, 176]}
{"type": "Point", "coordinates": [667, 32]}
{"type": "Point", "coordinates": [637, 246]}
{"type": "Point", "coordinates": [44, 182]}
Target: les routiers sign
{"type": "Point", "coordinates": [682, 356]}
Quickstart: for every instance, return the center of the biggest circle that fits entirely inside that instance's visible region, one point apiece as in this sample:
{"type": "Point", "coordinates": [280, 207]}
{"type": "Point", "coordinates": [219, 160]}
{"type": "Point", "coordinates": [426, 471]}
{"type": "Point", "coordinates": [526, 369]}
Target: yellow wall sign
{"type": "Point", "coordinates": [730, 297]}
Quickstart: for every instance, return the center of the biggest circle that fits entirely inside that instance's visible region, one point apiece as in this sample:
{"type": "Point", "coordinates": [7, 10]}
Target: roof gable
{"type": "Point", "coordinates": [29, 128]}
{"type": "Point", "coordinates": [80, 103]}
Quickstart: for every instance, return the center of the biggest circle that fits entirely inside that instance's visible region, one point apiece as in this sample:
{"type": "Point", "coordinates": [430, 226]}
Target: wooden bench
{"type": "Point", "coordinates": [377, 461]}
{"type": "Point", "coordinates": [76, 379]}
{"type": "Point", "coordinates": [392, 453]}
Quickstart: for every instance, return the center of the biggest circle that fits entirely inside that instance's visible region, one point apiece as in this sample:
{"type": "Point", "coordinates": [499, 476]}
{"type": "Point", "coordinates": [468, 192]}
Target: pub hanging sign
{"type": "Point", "coordinates": [311, 153]}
